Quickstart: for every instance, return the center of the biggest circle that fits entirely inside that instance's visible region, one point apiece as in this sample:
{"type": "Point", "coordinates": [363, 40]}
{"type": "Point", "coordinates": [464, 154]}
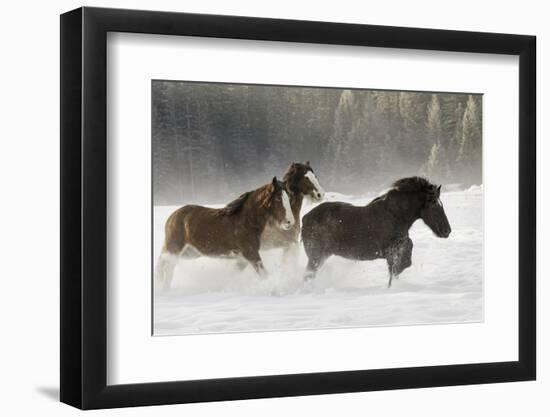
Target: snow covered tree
{"type": "Point", "coordinates": [212, 141]}
{"type": "Point", "coordinates": [412, 107]}
{"type": "Point", "coordinates": [469, 156]}
{"type": "Point", "coordinates": [438, 164]}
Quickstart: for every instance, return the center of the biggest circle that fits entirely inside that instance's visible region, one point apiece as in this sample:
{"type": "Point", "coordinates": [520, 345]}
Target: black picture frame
{"type": "Point", "coordinates": [84, 207]}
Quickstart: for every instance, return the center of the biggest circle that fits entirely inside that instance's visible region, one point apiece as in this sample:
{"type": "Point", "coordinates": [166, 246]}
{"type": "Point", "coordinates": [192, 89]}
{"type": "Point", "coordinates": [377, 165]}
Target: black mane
{"type": "Point", "coordinates": [406, 185]}
{"type": "Point", "coordinates": [235, 206]}
{"type": "Point", "coordinates": [412, 185]}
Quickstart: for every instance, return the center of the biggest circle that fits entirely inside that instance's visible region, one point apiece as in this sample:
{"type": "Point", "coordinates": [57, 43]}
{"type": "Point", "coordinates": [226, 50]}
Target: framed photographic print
{"type": "Point", "coordinates": [257, 207]}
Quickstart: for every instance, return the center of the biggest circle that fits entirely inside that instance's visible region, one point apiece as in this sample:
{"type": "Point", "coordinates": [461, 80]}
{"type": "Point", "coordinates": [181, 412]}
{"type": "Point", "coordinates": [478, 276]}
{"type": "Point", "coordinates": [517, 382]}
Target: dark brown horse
{"type": "Point", "coordinates": [230, 232]}
{"type": "Point", "coordinates": [300, 181]}
{"type": "Point", "coordinates": [378, 230]}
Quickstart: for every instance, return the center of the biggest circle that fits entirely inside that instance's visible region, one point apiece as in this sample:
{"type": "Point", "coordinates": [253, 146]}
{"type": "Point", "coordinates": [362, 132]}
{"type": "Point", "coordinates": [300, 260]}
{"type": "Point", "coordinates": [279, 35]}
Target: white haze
{"type": "Point", "coordinates": [444, 284]}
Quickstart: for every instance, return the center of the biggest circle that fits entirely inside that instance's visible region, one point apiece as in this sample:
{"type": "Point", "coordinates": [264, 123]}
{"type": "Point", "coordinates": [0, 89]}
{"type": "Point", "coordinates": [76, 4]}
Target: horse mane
{"type": "Point", "coordinates": [261, 196]}
{"type": "Point", "coordinates": [412, 185]}
{"type": "Point", "coordinates": [235, 206]}
{"type": "Point", "coordinates": [380, 197]}
{"type": "Point", "coordinates": [406, 185]}
{"type": "Point", "coordinates": [290, 172]}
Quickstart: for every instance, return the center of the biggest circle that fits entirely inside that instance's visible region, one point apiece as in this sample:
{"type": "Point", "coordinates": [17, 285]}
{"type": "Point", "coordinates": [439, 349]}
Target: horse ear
{"type": "Point", "coordinates": [438, 191]}
{"type": "Point", "coordinates": [275, 183]}
{"type": "Point", "coordinates": [308, 164]}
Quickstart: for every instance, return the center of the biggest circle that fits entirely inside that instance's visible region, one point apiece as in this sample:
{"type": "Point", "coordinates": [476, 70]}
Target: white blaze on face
{"type": "Point", "coordinates": [289, 217]}
{"type": "Point", "coordinates": [319, 192]}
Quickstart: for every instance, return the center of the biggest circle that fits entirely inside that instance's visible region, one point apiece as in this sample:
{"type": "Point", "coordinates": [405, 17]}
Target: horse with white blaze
{"type": "Point", "coordinates": [233, 231]}
{"type": "Point", "coordinates": [300, 182]}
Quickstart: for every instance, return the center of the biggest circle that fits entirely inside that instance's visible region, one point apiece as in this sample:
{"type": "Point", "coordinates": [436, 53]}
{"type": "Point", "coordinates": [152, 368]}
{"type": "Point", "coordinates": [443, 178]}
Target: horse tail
{"type": "Point", "coordinates": [306, 232]}
{"type": "Point", "coordinates": [175, 231]}
{"type": "Point", "coordinates": [316, 228]}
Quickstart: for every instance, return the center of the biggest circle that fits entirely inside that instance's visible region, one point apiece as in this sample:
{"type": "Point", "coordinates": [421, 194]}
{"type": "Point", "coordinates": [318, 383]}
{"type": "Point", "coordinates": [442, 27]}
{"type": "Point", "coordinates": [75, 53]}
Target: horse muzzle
{"type": "Point", "coordinates": [445, 232]}
{"type": "Point", "coordinates": [317, 195]}
{"type": "Point", "coordinates": [287, 225]}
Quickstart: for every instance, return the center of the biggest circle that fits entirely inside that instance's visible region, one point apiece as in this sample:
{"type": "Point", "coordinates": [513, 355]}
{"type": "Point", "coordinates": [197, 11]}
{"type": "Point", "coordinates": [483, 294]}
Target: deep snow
{"type": "Point", "coordinates": [444, 284]}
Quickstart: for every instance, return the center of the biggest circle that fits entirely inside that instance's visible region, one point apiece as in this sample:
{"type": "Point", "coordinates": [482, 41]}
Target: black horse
{"type": "Point", "coordinates": [379, 230]}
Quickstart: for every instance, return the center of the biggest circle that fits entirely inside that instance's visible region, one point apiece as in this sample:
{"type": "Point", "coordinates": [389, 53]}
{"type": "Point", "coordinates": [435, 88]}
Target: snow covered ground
{"type": "Point", "coordinates": [444, 284]}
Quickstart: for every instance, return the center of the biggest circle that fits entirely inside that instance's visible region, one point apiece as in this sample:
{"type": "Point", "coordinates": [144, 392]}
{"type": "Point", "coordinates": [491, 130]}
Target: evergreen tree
{"type": "Point", "coordinates": [456, 136]}
{"type": "Point", "coordinates": [437, 166]}
{"type": "Point", "coordinates": [212, 141]}
{"type": "Point", "coordinates": [387, 134]}
{"type": "Point", "coordinates": [163, 138]}
{"type": "Point", "coordinates": [469, 156]}
{"type": "Point", "coordinates": [338, 141]}
{"type": "Point", "coordinates": [412, 108]}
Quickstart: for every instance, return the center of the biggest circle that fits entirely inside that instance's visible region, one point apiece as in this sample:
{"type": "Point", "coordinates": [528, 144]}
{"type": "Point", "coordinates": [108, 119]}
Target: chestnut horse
{"type": "Point", "coordinates": [378, 230]}
{"type": "Point", "coordinates": [230, 232]}
{"type": "Point", "coordinates": [300, 181]}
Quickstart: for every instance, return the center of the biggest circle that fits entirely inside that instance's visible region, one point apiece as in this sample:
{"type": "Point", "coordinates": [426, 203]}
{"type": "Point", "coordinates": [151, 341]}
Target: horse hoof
{"type": "Point", "coordinates": [307, 286]}
{"type": "Point", "coordinates": [308, 276]}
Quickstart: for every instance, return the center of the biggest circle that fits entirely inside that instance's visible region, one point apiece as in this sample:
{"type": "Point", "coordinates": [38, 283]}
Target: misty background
{"type": "Point", "coordinates": [211, 142]}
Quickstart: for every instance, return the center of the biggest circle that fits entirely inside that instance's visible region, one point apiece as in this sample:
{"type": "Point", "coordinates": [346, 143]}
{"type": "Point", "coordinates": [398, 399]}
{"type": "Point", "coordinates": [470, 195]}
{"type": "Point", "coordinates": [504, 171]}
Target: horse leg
{"type": "Point", "coordinates": [188, 252]}
{"type": "Point", "coordinates": [169, 272]}
{"type": "Point", "coordinates": [405, 255]}
{"type": "Point", "coordinates": [159, 268]}
{"type": "Point", "coordinates": [315, 251]}
{"type": "Point", "coordinates": [241, 264]}
{"type": "Point", "coordinates": [260, 269]}
{"type": "Point", "coordinates": [311, 270]}
{"type": "Point", "coordinates": [399, 258]}
{"type": "Point", "coordinates": [164, 270]}
{"type": "Point", "coordinates": [390, 270]}
{"type": "Point", "coordinates": [313, 265]}
{"type": "Point", "coordinates": [253, 256]}
{"type": "Point", "coordinates": [392, 259]}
